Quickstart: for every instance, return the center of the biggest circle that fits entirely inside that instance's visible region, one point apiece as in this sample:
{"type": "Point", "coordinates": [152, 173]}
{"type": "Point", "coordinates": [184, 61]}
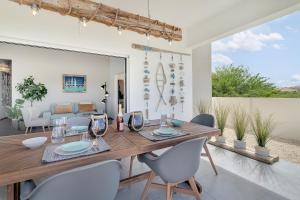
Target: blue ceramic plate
{"type": "Point", "coordinates": [164, 132]}
{"type": "Point", "coordinates": [75, 146]}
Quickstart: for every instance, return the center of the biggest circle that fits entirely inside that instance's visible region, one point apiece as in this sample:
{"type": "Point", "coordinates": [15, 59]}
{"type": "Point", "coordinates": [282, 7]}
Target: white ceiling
{"type": "Point", "coordinates": [182, 13]}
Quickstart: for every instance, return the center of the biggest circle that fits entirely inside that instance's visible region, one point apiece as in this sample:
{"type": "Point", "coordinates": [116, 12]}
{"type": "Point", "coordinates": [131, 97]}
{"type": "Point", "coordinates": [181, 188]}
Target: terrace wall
{"type": "Point", "coordinates": [285, 112]}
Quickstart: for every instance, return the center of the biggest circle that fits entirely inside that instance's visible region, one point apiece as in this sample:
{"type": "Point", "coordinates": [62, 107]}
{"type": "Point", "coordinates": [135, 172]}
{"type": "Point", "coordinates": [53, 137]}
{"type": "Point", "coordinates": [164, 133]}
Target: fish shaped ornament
{"type": "Point", "coordinates": [161, 81]}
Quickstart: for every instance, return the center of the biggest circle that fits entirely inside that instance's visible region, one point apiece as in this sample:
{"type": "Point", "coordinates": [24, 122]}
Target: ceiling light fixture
{"type": "Point", "coordinates": [34, 9]}
{"type": "Point", "coordinates": [148, 36]}
{"type": "Point", "coordinates": [83, 21]}
{"type": "Point", "coordinates": [120, 30]}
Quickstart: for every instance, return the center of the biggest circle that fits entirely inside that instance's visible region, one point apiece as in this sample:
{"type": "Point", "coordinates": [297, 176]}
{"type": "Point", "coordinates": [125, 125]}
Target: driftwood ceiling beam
{"type": "Point", "coordinates": [109, 16]}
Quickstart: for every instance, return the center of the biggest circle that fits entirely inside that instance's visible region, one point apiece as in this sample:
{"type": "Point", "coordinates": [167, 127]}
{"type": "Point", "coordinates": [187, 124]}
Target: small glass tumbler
{"type": "Point", "coordinates": [163, 120]}
{"type": "Point", "coordinates": [58, 135]}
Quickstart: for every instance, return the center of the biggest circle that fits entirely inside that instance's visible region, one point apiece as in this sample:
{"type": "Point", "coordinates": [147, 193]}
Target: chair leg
{"type": "Point", "coordinates": [210, 159]}
{"type": "Point", "coordinates": [194, 188]}
{"type": "Point", "coordinates": [131, 165]}
{"type": "Point", "coordinates": [30, 129]}
{"type": "Point", "coordinates": [44, 129]}
{"type": "Point", "coordinates": [26, 131]}
{"type": "Point", "coordinates": [168, 192]}
{"type": "Point", "coordinates": [148, 184]}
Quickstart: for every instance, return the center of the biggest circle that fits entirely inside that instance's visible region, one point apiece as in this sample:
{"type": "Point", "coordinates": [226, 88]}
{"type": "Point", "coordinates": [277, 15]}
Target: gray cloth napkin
{"type": "Point", "coordinates": [150, 136]}
{"type": "Point", "coordinates": [50, 156]}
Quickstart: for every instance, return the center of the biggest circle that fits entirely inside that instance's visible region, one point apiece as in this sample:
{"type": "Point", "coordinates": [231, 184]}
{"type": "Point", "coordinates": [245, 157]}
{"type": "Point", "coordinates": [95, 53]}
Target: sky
{"type": "Point", "coordinates": [271, 49]}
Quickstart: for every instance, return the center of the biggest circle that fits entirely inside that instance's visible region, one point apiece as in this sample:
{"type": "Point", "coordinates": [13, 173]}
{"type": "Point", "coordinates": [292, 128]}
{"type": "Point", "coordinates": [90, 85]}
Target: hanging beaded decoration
{"type": "Point", "coordinates": [181, 82]}
{"type": "Point", "coordinates": [173, 99]}
{"type": "Point", "coordinates": [146, 87]}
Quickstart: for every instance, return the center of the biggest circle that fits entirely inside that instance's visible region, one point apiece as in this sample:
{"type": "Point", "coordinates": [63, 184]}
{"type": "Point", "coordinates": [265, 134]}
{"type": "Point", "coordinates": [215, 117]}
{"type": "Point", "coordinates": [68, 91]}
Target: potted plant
{"type": "Point", "coordinates": [203, 107]}
{"type": "Point", "coordinates": [240, 124]}
{"type": "Point", "coordinates": [221, 113]}
{"type": "Point", "coordinates": [31, 91]}
{"type": "Point", "coordinates": [14, 113]}
{"type": "Point", "coordinates": [262, 129]}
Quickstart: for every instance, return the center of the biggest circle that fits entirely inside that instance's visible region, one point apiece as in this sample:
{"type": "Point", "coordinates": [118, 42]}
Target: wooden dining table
{"type": "Point", "coordinates": [18, 163]}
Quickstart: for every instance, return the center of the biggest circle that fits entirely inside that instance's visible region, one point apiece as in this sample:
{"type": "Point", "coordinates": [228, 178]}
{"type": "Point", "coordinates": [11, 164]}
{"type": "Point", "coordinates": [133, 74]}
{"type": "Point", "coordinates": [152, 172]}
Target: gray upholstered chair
{"type": "Point", "coordinates": [206, 120]}
{"type": "Point", "coordinates": [176, 165]}
{"type": "Point", "coordinates": [97, 181]}
{"type": "Point", "coordinates": [31, 117]}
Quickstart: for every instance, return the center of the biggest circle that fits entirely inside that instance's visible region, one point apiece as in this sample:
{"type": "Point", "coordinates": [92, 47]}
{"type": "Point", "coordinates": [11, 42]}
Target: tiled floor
{"type": "Point", "coordinates": [239, 178]}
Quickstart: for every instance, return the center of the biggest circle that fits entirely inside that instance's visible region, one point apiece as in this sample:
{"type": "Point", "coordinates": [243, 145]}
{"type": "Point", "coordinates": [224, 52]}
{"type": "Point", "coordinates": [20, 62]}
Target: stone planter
{"type": "Point", "coordinates": [262, 151]}
{"type": "Point", "coordinates": [239, 144]}
{"type": "Point", "coordinates": [15, 124]}
{"type": "Point", "coordinates": [220, 139]}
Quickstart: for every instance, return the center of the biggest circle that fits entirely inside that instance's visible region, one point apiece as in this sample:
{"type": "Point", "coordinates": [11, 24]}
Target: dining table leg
{"type": "Point", "coordinates": [13, 191]}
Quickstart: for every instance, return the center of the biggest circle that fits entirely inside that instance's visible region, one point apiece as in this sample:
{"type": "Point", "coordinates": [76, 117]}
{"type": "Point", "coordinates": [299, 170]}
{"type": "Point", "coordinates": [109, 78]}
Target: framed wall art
{"type": "Point", "coordinates": [74, 83]}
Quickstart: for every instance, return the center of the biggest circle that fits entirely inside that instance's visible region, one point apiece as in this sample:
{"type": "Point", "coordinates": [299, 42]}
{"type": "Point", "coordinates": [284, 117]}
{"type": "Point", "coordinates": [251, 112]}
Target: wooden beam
{"type": "Point", "coordinates": [154, 49]}
{"type": "Point", "coordinates": [109, 16]}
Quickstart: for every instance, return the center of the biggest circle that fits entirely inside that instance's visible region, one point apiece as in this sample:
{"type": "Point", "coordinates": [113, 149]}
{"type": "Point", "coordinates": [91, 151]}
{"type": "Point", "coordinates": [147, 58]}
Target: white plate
{"type": "Point", "coordinates": [75, 146]}
{"type": "Point", "coordinates": [59, 151]}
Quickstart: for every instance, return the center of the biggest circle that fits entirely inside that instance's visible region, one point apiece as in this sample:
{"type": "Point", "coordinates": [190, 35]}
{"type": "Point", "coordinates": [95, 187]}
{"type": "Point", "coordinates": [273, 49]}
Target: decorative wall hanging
{"type": "Point", "coordinates": [74, 83]}
{"type": "Point", "coordinates": [173, 99]}
{"type": "Point", "coordinates": [146, 87]}
{"type": "Point", "coordinates": [161, 81]}
{"type": "Point", "coordinates": [181, 83]}
{"type": "Point", "coordinates": [87, 10]}
{"type": "Point", "coordinates": [154, 49]}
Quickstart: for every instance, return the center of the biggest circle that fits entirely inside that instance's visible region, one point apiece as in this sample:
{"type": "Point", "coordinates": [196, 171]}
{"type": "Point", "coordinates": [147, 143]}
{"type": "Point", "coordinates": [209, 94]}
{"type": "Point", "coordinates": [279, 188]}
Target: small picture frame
{"type": "Point", "coordinates": [74, 83]}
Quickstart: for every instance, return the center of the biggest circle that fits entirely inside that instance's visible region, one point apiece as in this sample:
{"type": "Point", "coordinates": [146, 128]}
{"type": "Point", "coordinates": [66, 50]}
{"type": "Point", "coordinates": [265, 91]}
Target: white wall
{"type": "Point", "coordinates": [202, 90]}
{"type": "Point", "coordinates": [48, 66]}
{"type": "Point", "coordinates": [285, 112]}
{"type": "Point", "coordinates": [53, 30]}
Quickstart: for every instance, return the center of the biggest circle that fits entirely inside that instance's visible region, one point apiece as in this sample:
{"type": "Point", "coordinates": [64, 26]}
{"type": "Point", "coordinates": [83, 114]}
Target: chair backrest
{"type": "Point", "coordinates": [29, 113]}
{"type": "Point", "coordinates": [204, 119]}
{"type": "Point", "coordinates": [97, 181]}
{"type": "Point", "coordinates": [180, 162]}
{"type": "Point", "coordinates": [78, 121]}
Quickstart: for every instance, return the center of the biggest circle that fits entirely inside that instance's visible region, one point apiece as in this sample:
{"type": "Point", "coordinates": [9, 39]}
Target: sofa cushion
{"type": "Point", "coordinates": [63, 108]}
{"type": "Point", "coordinates": [86, 107]}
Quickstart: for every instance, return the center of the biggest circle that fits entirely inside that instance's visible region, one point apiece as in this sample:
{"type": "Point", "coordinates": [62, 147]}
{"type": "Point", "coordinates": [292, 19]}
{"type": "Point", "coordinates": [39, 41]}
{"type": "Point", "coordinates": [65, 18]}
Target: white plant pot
{"type": "Point", "coordinates": [262, 151]}
{"type": "Point", "coordinates": [238, 144]}
{"type": "Point", "coordinates": [220, 139]}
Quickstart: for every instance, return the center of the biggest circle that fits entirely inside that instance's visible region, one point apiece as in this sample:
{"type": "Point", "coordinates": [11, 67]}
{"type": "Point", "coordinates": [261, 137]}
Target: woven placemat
{"type": "Point", "coordinates": [50, 156]}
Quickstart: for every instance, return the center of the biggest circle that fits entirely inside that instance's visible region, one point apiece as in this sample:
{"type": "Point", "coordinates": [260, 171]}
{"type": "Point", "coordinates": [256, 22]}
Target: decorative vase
{"type": "Point", "coordinates": [239, 144]}
{"type": "Point", "coordinates": [220, 139]}
{"type": "Point", "coordinates": [262, 151]}
{"type": "Point", "coordinates": [15, 124]}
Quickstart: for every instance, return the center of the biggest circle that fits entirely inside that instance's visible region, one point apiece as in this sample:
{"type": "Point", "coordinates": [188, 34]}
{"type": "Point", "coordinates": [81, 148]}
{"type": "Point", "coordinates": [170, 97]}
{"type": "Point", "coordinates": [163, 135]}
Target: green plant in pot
{"type": "Point", "coordinates": [203, 107]}
{"type": "Point", "coordinates": [31, 91]}
{"type": "Point", "coordinates": [262, 129]}
{"type": "Point", "coordinates": [14, 112]}
{"type": "Point", "coordinates": [240, 125]}
{"type": "Point", "coordinates": [221, 113]}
